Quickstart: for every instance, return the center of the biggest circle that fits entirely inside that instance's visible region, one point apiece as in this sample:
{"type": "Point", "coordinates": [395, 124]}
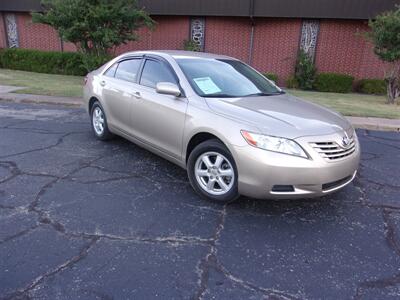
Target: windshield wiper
{"type": "Point", "coordinates": [238, 96]}
{"type": "Point", "coordinates": [220, 96]}
{"type": "Point", "coordinates": [266, 94]}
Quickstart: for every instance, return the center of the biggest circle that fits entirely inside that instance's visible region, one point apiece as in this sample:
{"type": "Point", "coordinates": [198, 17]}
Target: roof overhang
{"type": "Point", "coordinates": [20, 5]}
{"type": "Point", "coordinates": [318, 9]}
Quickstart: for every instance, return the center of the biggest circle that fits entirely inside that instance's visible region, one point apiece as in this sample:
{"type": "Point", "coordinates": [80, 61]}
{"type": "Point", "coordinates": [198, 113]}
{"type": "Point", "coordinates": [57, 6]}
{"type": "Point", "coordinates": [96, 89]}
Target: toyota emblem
{"type": "Point", "coordinates": [346, 141]}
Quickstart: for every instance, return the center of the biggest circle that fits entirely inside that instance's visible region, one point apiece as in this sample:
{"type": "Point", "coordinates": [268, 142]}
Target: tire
{"type": "Point", "coordinates": [213, 180]}
{"type": "Point", "coordinates": [100, 129]}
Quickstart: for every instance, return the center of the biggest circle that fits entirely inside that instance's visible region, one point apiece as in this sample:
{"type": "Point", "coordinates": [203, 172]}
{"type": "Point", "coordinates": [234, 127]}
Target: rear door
{"type": "Point", "coordinates": [159, 119]}
{"type": "Point", "coordinates": [120, 90]}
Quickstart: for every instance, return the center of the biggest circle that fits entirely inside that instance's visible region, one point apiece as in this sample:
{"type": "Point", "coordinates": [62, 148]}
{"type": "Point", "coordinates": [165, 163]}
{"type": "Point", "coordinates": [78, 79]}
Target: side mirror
{"type": "Point", "coordinates": [168, 88]}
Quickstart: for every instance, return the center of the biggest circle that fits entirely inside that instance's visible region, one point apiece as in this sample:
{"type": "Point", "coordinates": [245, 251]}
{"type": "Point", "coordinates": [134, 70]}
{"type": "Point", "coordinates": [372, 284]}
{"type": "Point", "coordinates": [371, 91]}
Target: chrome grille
{"type": "Point", "coordinates": [333, 151]}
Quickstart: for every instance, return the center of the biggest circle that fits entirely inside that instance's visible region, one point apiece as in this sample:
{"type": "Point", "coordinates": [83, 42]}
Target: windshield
{"type": "Point", "coordinates": [225, 78]}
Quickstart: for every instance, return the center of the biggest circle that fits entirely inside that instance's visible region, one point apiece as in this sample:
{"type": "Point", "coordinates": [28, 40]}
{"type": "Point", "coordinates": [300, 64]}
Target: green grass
{"type": "Point", "coordinates": [43, 84]}
{"type": "Point", "coordinates": [357, 105]}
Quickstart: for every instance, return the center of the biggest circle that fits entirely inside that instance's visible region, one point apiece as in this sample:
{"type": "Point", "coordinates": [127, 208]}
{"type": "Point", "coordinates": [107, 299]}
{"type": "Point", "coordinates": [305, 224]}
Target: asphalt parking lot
{"type": "Point", "coordinates": [82, 219]}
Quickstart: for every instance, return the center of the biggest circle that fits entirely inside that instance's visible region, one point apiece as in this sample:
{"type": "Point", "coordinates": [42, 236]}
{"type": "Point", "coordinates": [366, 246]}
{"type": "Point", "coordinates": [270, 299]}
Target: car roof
{"type": "Point", "coordinates": [181, 54]}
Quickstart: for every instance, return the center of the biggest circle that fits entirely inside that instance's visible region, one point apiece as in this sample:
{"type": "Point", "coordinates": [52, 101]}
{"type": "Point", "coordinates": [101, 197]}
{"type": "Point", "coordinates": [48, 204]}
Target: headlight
{"type": "Point", "coordinates": [272, 143]}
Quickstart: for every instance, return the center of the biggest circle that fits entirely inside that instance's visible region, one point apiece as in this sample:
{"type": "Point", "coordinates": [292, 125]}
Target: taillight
{"type": "Point", "coordinates": [85, 80]}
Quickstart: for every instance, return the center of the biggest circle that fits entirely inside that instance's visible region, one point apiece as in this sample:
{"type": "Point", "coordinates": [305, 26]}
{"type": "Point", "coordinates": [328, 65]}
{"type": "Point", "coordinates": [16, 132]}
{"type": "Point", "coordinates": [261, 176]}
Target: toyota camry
{"type": "Point", "coordinates": [232, 129]}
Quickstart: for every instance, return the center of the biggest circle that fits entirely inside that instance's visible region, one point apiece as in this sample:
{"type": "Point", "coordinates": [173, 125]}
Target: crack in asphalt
{"type": "Point", "coordinates": [9, 126]}
{"type": "Point", "coordinates": [381, 185]}
{"type": "Point", "coordinates": [394, 244]}
{"type": "Point", "coordinates": [44, 218]}
{"type": "Point", "coordinates": [203, 267]}
{"type": "Point", "coordinates": [379, 141]}
{"type": "Point", "coordinates": [363, 199]}
{"type": "Point", "coordinates": [211, 261]}
{"type": "Point", "coordinates": [390, 230]}
{"type": "Point", "coordinates": [390, 235]}
{"type": "Point", "coordinates": [22, 293]}
{"type": "Point", "coordinates": [19, 234]}
{"type": "Point", "coordinates": [41, 131]}
{"type": "Point", "coordinates": [58, 142]}
{"type": "Point", "coordinates": [6, 207]}
{"type": "Point", "coordinates": [43, 215]}
{"type": "Point", "coordinates": [372, 156]}
{"type": "Point", "coordinates": [269, 293]}
{"type": "Point", "coordinates": [178, 240]}
{"type": "Point", "coordinates": [370, 134]}
{"type": "Point", "coordinates": [12, 168]}
{"type": "Point", "coordinates": [135, 174]}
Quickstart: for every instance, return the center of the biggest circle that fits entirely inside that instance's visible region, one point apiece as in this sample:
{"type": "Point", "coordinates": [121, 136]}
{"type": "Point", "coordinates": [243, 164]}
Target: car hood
{"type": "Point", "coordinates": [282, 115]}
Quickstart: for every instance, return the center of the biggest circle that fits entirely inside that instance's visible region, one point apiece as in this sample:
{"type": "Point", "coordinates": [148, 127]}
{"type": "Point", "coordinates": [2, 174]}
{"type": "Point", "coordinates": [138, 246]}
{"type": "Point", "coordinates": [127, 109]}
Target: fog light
{"type": "Point", "coordinates": [283, 189]}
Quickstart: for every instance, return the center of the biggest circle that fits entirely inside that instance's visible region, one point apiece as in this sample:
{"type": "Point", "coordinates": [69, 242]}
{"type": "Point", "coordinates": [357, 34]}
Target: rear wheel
{"type": "Point", "coordinates": [99, 122]}
{"type": "Point", "coordinates": [212, 171]}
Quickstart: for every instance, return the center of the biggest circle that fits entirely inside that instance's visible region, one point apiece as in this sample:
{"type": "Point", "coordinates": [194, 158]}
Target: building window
{"type": "Point", "coordinates": [12, 31]}
{"type": "Point", "coordinates": [197, 31]}
{"type": "Point", "coordinates": [309, 36]}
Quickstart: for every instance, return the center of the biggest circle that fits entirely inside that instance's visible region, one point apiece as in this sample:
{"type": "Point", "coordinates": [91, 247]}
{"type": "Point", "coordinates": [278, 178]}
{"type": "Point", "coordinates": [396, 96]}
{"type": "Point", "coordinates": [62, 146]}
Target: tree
{"type": "Point", "coordinates": [305, 71]}
{"type": "Point", "coordinates": [190, 45]}
{"type": "Point", "coordinates": [94, 26]}
{"type": "Point", "coordinates": [385, 35]}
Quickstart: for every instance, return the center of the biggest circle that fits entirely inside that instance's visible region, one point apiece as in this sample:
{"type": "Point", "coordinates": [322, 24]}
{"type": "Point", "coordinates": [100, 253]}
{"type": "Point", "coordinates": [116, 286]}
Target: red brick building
{"type": "Point", "coordinates": [265, 33]}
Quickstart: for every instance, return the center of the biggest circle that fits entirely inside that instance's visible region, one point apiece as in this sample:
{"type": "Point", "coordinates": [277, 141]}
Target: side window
{"type": "Point", "coordinates": [111, 71]}
{"type": "Point", "coordinates": [128, 69]}
{"type": "Point", "coordinates": [155, 72]}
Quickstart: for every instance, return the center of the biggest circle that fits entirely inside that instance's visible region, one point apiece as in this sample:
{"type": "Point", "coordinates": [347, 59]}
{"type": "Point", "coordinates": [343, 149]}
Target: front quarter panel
{"type": "Point", "coordinates": [200, 119]}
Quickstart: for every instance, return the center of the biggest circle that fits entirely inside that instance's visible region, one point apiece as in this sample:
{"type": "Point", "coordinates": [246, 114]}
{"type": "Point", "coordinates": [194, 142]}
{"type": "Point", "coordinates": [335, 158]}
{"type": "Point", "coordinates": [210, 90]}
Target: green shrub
{"type": "Point", "coordinates": [371, 86]}
{"type": "Point", "coordinates": [292, 83]}
{"type": "Point", "coordinates": [90, 62]}
{"type": "Point", "coordinates": [64, 63]}
{"type": "Point", "coordinates": [190, 45]}
{"type": "Point", "coordinates": [305, 71]}
{"type": "Point", "coordinates": [334, 83]}
{"type": "Point", "coordinates": [272, 76]}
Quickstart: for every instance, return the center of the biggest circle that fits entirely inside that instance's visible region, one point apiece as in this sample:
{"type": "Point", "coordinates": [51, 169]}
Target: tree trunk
{"type": "Point", "coordinates": [391, 90]}
{"type": "Point", "coordinates": [392, 77]}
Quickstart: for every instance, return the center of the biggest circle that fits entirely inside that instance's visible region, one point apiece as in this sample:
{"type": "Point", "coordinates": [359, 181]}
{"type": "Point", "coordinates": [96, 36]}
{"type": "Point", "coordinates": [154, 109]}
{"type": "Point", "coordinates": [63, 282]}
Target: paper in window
{"type": "Point", "coordinates": [207, 85]}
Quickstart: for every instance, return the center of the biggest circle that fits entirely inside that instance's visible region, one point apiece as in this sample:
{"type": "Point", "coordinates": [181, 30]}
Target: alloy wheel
{"type": "Point", "coordinates": [214, 173]}
{"type": "Point", "coordinates": [98, 121]}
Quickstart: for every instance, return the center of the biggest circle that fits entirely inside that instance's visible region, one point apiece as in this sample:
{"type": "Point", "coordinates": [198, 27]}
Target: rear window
{"type": "Point", "coordinates": [111, 71]}
{"type": "Point", "coordinates": [128, 69]}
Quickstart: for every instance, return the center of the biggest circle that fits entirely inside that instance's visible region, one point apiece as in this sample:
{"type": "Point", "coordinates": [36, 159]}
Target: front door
{"type": "Point", "coordinates": [159, 119]}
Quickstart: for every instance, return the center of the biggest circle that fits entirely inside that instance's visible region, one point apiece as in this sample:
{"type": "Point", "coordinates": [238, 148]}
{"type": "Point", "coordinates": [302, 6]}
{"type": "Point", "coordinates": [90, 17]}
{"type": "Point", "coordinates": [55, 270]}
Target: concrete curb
{"type": "Point", "coordinates": [42, 99]}
{"type": "Point", "coordinates": [380, 124]}
{"type": "Point", "coordinates": [358, 122]}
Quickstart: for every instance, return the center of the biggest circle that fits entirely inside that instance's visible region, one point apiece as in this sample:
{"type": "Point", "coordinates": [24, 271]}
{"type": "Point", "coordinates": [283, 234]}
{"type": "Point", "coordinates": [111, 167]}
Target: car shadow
{"type": "Point", "coordinates": [330, 205]}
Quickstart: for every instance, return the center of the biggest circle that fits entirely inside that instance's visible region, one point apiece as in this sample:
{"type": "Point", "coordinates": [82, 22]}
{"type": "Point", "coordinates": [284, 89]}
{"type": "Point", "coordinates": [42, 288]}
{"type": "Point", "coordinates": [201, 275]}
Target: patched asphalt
{"type": "Point", "coordinates": [84, 219]}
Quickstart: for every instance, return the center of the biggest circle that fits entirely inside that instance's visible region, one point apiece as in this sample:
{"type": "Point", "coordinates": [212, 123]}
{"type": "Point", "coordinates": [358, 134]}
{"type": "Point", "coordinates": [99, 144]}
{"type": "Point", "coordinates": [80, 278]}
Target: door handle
{"type": "Point", "coordinates": [102, 83]}
{"type": "Point", "coordinates": [137, 95]}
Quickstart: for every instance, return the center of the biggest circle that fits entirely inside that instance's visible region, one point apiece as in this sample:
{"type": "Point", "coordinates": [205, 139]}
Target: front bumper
{"type": "Point", "coordinates": [261, 172]}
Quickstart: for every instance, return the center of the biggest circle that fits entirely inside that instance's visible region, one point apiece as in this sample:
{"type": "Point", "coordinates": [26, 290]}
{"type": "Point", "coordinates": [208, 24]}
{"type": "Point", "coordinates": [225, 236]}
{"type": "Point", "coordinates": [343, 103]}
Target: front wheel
{"type": "Point", "coordinates": [212, 172]}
